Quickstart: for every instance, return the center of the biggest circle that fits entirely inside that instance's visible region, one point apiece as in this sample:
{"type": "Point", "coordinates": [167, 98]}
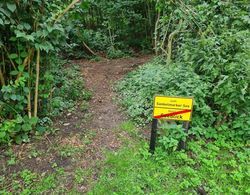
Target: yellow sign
{"type": "Point", "coordinates": [173, 108]}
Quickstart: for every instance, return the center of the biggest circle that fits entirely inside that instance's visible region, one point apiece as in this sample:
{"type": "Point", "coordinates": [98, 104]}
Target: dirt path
{"type": "Point", "coordinates": [82, 137]}
{"type": "Point", "coordinates": [106, 115]}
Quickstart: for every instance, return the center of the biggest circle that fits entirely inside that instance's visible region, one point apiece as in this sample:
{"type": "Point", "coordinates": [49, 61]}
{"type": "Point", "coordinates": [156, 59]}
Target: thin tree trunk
{"type": "Point", "coordinates": [156, 33]}
{"type": "Point", "coordinates": [2, 77]}
{"type": "Point", "coordinates": [37, 82]}
{"type": "Point", "coordinates": [170, 41]}
{"type": "Point", "coordinates": [29, 95]}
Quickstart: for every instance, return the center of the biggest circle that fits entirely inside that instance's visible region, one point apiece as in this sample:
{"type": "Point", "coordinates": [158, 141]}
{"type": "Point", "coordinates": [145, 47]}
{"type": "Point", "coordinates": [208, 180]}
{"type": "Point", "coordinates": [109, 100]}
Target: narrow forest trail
{"type": "Point", "coordinates": [105, 116]}
{"type": "Point", "coordinates": [75, 152]}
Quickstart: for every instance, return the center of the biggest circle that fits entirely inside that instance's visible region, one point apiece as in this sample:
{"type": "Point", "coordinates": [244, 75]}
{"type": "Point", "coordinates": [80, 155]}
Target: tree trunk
{"type": "Point", "coordinates": [37, 82]}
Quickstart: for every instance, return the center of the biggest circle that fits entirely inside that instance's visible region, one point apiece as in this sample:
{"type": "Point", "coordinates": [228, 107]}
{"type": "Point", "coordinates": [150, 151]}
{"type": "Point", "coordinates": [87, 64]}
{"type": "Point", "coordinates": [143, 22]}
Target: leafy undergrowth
{"type": "Point", "coordinates": [58, 91]}
{"type": "Point", "coordinates": [216, 167]}
{"type": "Point", "coordinates": [139, 87]}
{"type": "Point", "coordinates": [216, 158]}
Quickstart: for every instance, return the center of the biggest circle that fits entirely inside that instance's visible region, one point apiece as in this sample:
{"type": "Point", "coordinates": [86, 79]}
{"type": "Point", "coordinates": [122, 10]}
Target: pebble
{"type": "Point", "coordinates": [66, 124]}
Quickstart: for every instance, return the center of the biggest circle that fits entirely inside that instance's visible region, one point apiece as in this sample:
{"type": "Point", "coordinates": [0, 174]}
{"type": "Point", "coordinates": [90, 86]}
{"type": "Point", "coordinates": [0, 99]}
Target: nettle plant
{"type": "Point", "coordinates": [29, 30]}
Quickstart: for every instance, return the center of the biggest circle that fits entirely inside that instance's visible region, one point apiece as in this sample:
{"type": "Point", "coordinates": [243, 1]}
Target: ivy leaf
{"type": "Point", "coordinates": [11, 7]}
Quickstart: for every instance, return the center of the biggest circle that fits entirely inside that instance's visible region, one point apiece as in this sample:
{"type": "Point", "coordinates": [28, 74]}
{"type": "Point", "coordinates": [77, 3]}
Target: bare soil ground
{"type": "Point", "coordinates": [82, 137]}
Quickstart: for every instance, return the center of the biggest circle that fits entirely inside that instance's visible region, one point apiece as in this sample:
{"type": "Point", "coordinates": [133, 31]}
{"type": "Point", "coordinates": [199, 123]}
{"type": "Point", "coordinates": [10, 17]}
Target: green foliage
{"type": "Point", "coordinates": [81, 175]}
{"type": "Point", "coordinates": [110, 27]}
{"type": "Point", "coordinates": [140, 86]}
{"type": "Point", "coordinates": [28, 182]}
{"type": "Point", "coordinates": [207, 55]}
{"type": "Point", "coordinates": [26, 27]}
{"type": "Point", "coordinates": [215, 167]}
{"type": "Point", "coordinates": [69, 88]}
{"type": "Point", "coordinates": [113, 53]}
{"type": "Point", "coordinates": [170, 136]}
{"type": "Point", "coordinates": [17, 129]}
{"type": "Point", "coordinates": [59, 91]}
{"type": "Point", "coordinates": [129, 127]}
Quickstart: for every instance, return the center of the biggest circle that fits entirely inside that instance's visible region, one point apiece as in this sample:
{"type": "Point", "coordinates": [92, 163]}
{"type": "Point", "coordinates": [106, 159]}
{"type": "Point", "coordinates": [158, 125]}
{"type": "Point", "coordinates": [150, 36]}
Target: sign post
{"type": "Point", "coordinates": [153, 136]}
{"type": "Point", "coordinates": [171, 108]}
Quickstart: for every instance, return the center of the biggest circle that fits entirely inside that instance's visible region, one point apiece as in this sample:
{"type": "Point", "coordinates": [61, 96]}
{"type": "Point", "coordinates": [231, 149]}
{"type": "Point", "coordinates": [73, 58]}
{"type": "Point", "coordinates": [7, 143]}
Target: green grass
{"type": "Point", "coordinates": [217, 167]}
{"type": "Point", "coordinates": [28, 182]}
{"type": "Point", "coordinates": [129, 127]}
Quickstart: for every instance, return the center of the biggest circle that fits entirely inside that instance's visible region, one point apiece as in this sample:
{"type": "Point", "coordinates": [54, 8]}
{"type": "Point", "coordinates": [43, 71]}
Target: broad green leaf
{"type": "Point", "coordinates": [24, 54]}
{"type": "Point", "coordinates": [26, 26]}
{"type": "Point", "coordinates": [21, 68]}
{"type": "Point", "coordinates": [26, 127]}
{"type": "Point", "coordinates": [20, 27]}
{"type": "Point", "coordinates": [13, 97]}
{"type": "Point", "coordinates": [2, 134]}
{"type": "Point", "coordinates": [11, 6]}
{"type": "Point", "coordinates": [1, 22]}
{"type": "Point", "coordinates": [14, 72]}
{"type": "Point", "coordinates": [13, 56]}
{"type": "Point", "coordinates": [26, 138]}
{"type": "Point", "coordinates": [33, 120]}
{"type": "Point", "coordinates": [19, 119]}
{"type": "Point", "coordinates": [26, 90]}
{"type": "Point", "coordinates": [18, 139]}
{"type": "Point", "coordinates": [18, 61]}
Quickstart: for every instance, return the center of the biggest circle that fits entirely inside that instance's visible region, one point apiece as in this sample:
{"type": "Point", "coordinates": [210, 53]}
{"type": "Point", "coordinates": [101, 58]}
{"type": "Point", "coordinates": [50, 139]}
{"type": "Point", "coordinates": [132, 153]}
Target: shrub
{"type": "Point", "coordinates": [139, 87]}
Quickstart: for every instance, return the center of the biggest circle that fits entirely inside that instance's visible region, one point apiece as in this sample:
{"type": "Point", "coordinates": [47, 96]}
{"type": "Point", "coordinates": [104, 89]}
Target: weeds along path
{"type": "Point", "coordinates": [73, 156]}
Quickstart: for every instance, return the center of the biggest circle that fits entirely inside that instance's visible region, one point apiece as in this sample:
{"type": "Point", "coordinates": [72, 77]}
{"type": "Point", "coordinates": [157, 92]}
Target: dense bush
{"type": "Point", "coordinates": [58, 92]}
{"type": "Point", "coordinates": [138, 89]}
{"type": "Point", "coordinates": [206, 55]}
{"type": "Point", "coordinates": [31, 32]}
{"type": "Point", "coordinates": [111, 27]}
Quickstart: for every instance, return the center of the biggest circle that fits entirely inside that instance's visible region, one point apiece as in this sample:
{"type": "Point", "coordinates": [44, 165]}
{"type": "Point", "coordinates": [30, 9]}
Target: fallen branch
{"type": "Point", "coordinates": [89, 49]}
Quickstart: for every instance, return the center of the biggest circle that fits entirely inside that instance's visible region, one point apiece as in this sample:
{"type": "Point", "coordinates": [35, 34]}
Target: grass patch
{"type": "Point", "coordinates": [215, 167]}
{"type": "Point", "coordinates": [28, 182]}
{"type": "Point", "coordinates": [129, 127]}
